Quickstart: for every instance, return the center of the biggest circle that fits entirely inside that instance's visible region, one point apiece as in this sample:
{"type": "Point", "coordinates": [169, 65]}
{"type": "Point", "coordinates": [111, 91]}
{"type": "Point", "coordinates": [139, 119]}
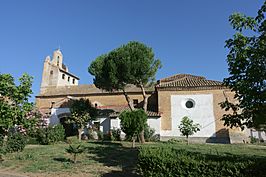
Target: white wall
{"type": "Point", "coordinates": [65, 82]}
{"type": "Point", "coordinates": [54, 115]}
{"type": "Point", "coordinates": [152, 122]}
{"type": "Point", "coordinates": [155, 123]}
{"type": "Point", "coordinates": [257, 134]}
{"type": "Point", "coordinates": [104, 124]}
{"type": "Point", "coordinates": [201, 113]}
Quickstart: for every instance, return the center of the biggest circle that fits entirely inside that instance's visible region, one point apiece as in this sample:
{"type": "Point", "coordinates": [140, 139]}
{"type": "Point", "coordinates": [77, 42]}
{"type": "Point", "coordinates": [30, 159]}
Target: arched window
{"type": "Point", "coordinates": [73, 81]}
{"type": "Point", "coordinates": [51, 72]}
{"type": "Point", "coordinates": [68, 79]}
{"type": "Point", "coordinates": [63, 76]}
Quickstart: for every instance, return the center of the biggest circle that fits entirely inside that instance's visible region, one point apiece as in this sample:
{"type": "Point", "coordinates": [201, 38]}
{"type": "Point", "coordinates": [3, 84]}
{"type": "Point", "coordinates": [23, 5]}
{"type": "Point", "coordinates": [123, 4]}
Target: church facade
{"type": "Point", "coordinates": [169, 101]}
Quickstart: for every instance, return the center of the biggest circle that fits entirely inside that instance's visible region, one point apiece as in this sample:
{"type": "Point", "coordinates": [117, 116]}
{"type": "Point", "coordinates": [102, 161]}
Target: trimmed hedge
{"type": "Point", "coordinates": [2, 148]}
{"type": "Point", "coordinates": [51, 135]}
{"type": "Point", "coordinates": [1, 140]}
{"type": "Point", "coordinates": [170, 162]}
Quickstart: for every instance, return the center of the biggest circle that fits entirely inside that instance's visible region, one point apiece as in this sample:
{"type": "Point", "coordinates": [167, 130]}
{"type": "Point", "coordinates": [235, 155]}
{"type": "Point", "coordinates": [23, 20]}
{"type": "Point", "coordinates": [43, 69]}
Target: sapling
{"type": "Point", "coordinates": [75, 150]}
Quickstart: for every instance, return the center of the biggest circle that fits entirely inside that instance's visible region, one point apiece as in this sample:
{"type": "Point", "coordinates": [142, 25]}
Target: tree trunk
{"type": "Point", "coordinates": [133, 142]}
{"type": "Point", "coordinates": [145, 98]}
{"type": "Point", "coordinates": [187, 140]}
{"type": "Point", "coordinates": [132, 108]}
{"type": "Point", "coordinates": [75, 158]}
{"type": "Point", "coordinates": [145, 105]}
{"type": "Point", "coordinates": [129, 101]}
{"type": "Point", "coordinates": [142, 138]}
{"type": "Point", "coordinates": [79, 133]}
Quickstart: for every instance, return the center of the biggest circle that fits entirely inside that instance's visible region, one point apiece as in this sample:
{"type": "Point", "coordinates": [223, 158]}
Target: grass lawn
{"type": "Point", "coordinates": [103, 158]}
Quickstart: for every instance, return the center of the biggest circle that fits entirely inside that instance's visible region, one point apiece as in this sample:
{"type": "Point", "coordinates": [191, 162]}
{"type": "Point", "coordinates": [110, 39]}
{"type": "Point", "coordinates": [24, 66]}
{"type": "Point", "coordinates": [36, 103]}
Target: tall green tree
{"type": "Point", "coordinates": [14, 104]}
{"type": "Point", "coordinates": [247, 71]}
{"type": "Point", "coordinates": [82, 112]}
{"type": "Point", "coordinates": [133, 63]}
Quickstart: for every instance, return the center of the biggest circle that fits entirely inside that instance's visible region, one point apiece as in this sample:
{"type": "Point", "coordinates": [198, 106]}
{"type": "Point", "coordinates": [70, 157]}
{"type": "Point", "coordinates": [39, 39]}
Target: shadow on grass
{"type": "Point", "coordinates": [62, 159]}
{"type": "Point", "coordinates": [115, 154]}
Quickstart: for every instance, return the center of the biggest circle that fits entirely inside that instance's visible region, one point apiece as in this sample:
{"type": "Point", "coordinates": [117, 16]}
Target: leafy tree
{"type": "Point", "coordinates": [81, 112]}
{"type": "Point", "coordinates": [187, 127]}
{"type": "Point", "coordinates": [14, 105]}
{"type": "Point", "coordinates": [133, 63]}
{"type": "Point", "coordinates": [133, 122]}
{"type": "Point", "coordinates": [247, 70]}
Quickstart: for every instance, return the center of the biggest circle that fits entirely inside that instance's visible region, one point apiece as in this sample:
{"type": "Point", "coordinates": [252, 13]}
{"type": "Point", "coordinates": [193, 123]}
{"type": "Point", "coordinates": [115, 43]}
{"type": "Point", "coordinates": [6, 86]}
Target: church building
{"type": "Point", "coordinates": [169, 101]}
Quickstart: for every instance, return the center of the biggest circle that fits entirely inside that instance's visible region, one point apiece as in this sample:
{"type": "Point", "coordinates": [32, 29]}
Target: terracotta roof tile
{"type": "Point", "coordinates": [85, 90]}
{"type": "Point", "coordinates": [187, 81]}
{"type": "Point", "coordinates": [116, 110]}
{"type": "Point", "coordinates": [180, 76]}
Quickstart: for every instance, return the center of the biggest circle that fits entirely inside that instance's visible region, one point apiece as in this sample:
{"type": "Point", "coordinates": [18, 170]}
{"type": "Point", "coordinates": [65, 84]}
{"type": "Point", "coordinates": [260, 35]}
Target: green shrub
{"type": "Point", "coordinates": [116, 134]}
{"type": "Point", "coordinates": [149, 133]}
{"type": "Point", "coordinates": [58, 133]}
{"type": "Point", "coordinates": [175, 140]}
{"type": "Point", "coordinates": [15, 142]}
{"type": "Point", "coordinates": [108, 137]}
{"type": "Point", "coordinates": [1, 140]}
{"type": "Point", "coordinates": [170, 162]}
{"type": "Point", "coordinates": [100, 135]}
{"type": "Point", "coordinates": [254, 140]}
{"type": "Point", "coordinates": [51, 135]}
{"type": "Point", "coordinates": [2, 148]}
{"type": "Point", "coordinates": [32, 140]}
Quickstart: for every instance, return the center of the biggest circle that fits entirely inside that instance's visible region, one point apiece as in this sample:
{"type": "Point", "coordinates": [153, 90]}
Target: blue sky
{"type": "Point", "coordinates": [187, 35]}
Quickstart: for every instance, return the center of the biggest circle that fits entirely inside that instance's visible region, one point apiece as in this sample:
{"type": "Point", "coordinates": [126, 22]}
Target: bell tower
{"type": "Point", "coordinates": [55, 73]}
{"type": "Point", "coordinates": [57, 58]}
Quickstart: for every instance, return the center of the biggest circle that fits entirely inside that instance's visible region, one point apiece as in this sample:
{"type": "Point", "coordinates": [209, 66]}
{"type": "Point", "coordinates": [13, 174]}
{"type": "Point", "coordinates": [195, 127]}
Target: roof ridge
{"type": "Point", "coordinates": [180, 76]}
{"type": "Point", "coordinates": [189, 81]}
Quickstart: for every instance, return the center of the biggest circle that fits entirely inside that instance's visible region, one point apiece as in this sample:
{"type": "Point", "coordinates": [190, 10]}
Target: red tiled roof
{"type": "Point", "coordinates": [87, 90]}
{"type": "Point", "coordinates": [186, 82]}
{"type": "Point", "coordinates": [118, 109]}
{"type": "Point", "coordinates": [180, 76]}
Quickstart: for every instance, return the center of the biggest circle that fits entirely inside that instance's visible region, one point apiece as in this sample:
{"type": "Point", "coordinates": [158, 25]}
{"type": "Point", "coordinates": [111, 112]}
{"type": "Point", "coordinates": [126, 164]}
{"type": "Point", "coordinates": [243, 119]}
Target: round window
{"type": "Point", "coordinates": [189, 104]}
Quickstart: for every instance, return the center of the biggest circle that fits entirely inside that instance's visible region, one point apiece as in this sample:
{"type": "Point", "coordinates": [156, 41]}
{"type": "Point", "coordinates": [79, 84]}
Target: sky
{"type": "Point", "coordinates": [188, 36]}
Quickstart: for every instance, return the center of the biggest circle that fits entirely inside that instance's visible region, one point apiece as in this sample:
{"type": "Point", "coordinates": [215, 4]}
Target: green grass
{"type": "Point", "coordinates": [99, 158]}
{"type": "Point", "coordinates": [104, 158]}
